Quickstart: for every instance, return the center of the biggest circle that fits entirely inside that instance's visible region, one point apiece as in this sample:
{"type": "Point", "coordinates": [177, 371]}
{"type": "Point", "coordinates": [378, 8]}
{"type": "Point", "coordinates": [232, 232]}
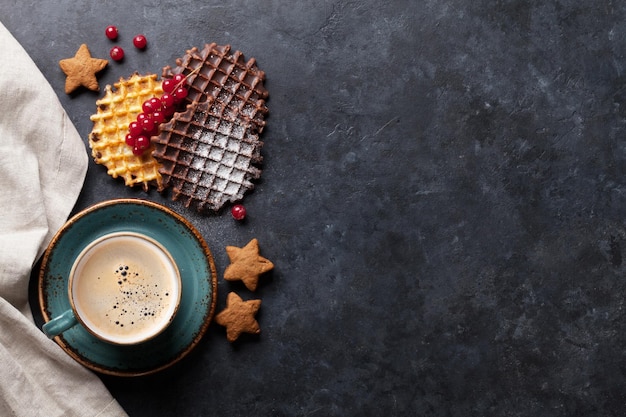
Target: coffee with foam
{"type": "Point", "coordinates": [125, 288]}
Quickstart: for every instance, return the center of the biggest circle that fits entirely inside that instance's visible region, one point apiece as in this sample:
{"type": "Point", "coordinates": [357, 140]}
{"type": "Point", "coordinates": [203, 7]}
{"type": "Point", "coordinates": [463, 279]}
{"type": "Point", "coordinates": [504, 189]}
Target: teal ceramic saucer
{"type": "Point", "coordinates": [192, 256]}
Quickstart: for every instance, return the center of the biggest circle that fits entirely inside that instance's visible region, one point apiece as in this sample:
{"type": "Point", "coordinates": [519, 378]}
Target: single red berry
{"type": "Point", "coordinates": [141, 117]}
{"type": "Point", "coordinates": [168, 110]}
{"type": "Point", "coordinates": [140, 41]}
{"type": "Point", "coordinates": [179, 94]}
{"type": "Point", "coordinates": [151, 105]}
{"type": "Point", "coordinates": [117, 53]}
{"type": "Point", "coordinates": [168, 85]}
{"type": "Point", "coordinates": [111, 32]}
{"type": "Point", "coordinates": [142, 142]}
{"type": "Point", "coordinates": [135, 129]}
{"type": "Point", "coordinates": [147, 124]}
{"type": "Point", "coordinates": [130, 140]}
{"type": "Point", "coordinates": [167, 100]}
{"type": "Point", "coordinates": [179, 79]}
{"type": "Point", "coordinates": [238, 212]}
{"type": "Point", "coordinates": [158, 117]}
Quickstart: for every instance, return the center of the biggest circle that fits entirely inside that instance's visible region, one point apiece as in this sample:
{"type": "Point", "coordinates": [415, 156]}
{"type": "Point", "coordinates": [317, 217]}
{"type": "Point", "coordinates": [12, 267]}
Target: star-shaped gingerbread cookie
{"type": "Point", "coordinates": [238, 317]}
{"type": "Point", "coordinates": [246, 264]}
{"type": "Point", "coordinates": [81, 70]}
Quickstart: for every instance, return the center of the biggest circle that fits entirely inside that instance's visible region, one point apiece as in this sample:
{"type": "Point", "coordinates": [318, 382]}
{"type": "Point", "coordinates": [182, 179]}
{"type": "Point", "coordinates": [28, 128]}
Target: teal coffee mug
{"type": "Point", "coordinates": [124, 288]}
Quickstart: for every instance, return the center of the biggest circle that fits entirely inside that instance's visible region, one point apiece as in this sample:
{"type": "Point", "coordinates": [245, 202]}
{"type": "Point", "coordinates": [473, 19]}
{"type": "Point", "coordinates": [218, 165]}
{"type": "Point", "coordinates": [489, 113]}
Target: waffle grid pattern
{"type": "Point", "coordinates": [115, 111]}
{"type": "Point", "coordinates": [206, 158]}
{"type": "Point", "coordinates": [208, 152]}
{"type": "Point", "coordinates": [216, 73]}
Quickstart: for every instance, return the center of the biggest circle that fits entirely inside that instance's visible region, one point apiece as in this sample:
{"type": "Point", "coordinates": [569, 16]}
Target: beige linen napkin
{"type": "Point", "coordinates": [42, 168]}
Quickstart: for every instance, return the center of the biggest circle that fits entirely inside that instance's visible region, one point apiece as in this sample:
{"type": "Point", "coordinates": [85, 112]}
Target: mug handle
{"type": "Point", "coordinates": [59, 324]}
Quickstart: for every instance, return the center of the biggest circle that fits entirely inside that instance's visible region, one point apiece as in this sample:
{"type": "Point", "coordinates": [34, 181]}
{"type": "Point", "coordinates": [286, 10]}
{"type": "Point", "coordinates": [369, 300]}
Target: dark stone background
{"type": "Point", "coordinates": [443, 197]}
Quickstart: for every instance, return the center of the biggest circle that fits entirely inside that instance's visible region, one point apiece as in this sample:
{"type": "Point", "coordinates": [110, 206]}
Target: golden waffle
{"type": "Point", "coordinates": [216, 73]}
{"type": "Point", "coordinates": [115, 111]}
{"type": "Point", "coordinates": [207, 159]}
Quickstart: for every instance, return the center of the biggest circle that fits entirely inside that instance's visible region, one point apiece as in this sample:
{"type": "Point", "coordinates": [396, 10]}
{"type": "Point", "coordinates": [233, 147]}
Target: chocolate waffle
{"type": "Point", "coordinates": [115, 111]}
{"type": "Point", "coordinates": [206, 158]}
{"type": "Point", "coordinates": [216, 73]}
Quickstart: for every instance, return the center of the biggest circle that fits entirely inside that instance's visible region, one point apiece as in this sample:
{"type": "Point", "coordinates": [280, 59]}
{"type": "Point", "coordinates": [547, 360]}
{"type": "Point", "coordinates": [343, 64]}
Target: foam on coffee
{"type": "Point", "coordinates": [125, 287]}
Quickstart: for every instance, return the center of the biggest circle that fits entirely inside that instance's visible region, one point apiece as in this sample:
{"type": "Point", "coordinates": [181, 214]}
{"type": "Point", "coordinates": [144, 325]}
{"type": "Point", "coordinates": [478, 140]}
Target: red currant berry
{"type": "Point", "coordinates": [167, 100]}
{"type": "Point", "coordinates": [117, 53]}
{"type": "Point", "coordinates": [140, 41]}
{"type": "Point", "coordinates": [135, 129]}
{"type": "Point", "coordinates": [168, 110]}
{"type": "Point", "coordinates": [180, 94]}
{"type": "Point", "coordinates": [141, 117]}
{"type": "Point", "coordinates": [168, 85]}
{"type": "Point", "coordinates": [130, 140]}
{"type": "Point", "coordinates": [111, 32]}
{"type": "Point", "coordinates": [141, 144]}
{"type": "Point", "coordinates": [158, 117]}
{"type": "Point", "coordinates": [147, 124]}
{"type": "Point", "coordinates": [179, 79]}
{"type": "Point", "coordinates": [151, 105]}
{"type": "Point", "coordinates": [238, 212]}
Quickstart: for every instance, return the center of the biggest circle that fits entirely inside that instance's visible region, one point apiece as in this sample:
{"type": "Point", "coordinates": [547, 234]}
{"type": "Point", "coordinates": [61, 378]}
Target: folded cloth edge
{"type": "Point", "coordinates": [37, 376]}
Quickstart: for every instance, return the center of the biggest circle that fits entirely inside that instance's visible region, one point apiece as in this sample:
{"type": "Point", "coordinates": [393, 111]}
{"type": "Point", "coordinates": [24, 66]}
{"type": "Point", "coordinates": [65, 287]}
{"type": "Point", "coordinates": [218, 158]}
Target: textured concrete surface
{"type": "Point", "coordinates": [443, 196]}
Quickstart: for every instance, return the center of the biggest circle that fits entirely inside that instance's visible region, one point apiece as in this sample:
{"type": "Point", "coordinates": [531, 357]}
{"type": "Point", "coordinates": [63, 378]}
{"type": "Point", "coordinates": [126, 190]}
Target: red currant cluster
{"type": "Point", "coordinates": [156, 111]}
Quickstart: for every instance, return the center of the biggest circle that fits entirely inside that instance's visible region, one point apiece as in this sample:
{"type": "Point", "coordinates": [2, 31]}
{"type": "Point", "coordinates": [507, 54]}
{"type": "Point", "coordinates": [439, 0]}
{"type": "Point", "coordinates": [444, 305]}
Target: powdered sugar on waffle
{"type": "Point", "coordinates": [205, 160]}
{"type": "Point", "coordinates": [210, 153]}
